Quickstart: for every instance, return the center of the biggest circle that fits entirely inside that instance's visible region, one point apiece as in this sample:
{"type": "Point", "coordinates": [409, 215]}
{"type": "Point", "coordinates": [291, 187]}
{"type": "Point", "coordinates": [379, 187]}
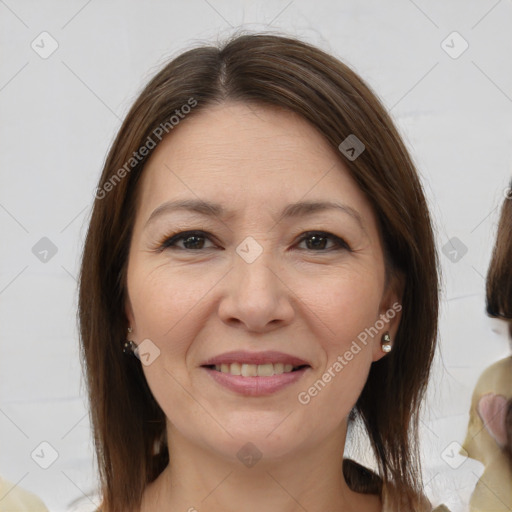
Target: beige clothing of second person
{"type": "Point", "coordinates": [15, 499]}
{"type": "Point", "coordinates": [493, 492]}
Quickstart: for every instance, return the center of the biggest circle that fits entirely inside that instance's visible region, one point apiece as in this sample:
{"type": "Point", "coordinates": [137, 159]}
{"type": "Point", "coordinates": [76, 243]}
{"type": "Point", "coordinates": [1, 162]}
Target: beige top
{"type": "Point", "coordinates": [15, 499]}
{"type": "Point", "coordinates": [493, 492]}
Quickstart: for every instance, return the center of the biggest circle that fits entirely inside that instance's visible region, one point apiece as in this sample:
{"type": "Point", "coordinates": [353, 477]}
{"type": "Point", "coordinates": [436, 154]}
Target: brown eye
{"type": "Point", "coordinates": [192, 241]}
{"type": "Point", "coordinates": [318, 242]}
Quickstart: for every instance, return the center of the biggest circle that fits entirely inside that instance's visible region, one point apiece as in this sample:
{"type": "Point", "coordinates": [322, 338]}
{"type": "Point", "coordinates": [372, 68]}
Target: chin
{"type": "Point", "coordinates": [260, 441]}
{"type": "Point", "coordinates": [251, 449]}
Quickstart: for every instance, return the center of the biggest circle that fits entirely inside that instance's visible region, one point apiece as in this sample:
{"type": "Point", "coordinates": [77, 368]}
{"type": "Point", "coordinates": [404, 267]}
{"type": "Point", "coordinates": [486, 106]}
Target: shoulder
{"type": "Point", "coordinates": [503, 366]}
{"type": "Point", "coordinates": [496, 378]}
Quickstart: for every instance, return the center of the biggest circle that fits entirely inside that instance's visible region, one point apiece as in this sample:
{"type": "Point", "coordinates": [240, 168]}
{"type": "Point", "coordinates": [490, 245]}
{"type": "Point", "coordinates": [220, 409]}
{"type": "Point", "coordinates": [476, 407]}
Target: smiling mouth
{"type": "Point", "coordinates": [255, 370]}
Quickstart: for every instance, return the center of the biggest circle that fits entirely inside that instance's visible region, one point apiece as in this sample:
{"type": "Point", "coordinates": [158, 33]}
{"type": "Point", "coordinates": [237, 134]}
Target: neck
{"type": "Point", "coordinates": [198, 478]}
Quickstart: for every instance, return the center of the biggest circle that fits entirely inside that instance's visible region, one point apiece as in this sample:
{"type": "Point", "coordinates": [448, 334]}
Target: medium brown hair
{"type": "Point", "coordinates": [281, 72]}
{"type": "Point", "coordinates": [499, 275]}
{"type": "Point", "coordinates": [499, 289]}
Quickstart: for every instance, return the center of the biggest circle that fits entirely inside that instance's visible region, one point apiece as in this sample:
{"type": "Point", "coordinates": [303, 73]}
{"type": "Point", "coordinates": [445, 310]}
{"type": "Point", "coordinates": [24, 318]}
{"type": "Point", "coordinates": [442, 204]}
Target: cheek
{"type": "Point", "coordinates": [165, 299]}
{"type": "Point", "coordinates": [167, 308]}
{"type": "Point", "coordinates": [326, 401]}
{"type": "Point", "coordinates": [346, 306]}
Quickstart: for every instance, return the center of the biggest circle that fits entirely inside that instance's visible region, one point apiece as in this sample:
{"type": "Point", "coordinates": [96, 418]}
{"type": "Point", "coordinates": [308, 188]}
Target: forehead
{"type": "Point", "coordinates": [247, 156]}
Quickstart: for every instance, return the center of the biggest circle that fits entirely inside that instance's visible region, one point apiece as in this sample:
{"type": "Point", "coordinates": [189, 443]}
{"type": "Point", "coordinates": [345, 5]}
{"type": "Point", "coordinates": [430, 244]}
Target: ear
{"type": "Point", "coordinates": [129, 315]}
{"type": "Point", "coordinates": [390, 312]}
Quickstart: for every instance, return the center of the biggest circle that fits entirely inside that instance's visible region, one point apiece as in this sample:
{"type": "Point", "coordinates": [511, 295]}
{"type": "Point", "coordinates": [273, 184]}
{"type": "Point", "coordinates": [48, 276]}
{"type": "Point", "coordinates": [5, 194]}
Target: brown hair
{"type": "Point", "coordinates": [281, 72]}
{"type": "Point", "coordinates": [499, 274]}
{"type": "Point", "coordinates": [499, 288]}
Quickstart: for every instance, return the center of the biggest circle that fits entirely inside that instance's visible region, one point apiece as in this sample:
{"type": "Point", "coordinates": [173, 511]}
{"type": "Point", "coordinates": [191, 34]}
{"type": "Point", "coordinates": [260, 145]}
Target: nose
{"type": "Point", "coordinates": [257, 296]}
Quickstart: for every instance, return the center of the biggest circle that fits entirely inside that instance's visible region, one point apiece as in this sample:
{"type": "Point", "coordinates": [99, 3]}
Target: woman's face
{"type": "Point", "coordinates": [265, 270]}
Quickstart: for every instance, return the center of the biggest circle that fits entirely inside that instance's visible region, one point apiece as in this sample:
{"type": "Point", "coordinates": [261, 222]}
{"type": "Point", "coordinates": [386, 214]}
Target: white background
{"type": "Point", "coordinates": [59, 115]}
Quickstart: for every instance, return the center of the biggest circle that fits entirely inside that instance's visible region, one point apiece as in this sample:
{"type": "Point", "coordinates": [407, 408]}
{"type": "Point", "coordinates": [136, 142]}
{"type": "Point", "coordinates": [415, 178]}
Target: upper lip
{"type": "Point", "coordinates": [241, 356]}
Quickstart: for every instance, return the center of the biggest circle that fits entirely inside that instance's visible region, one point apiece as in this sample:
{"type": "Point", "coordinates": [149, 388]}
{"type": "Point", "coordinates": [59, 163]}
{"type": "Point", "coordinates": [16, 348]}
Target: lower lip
{"type": "Point", "coordinates": [256, 386]}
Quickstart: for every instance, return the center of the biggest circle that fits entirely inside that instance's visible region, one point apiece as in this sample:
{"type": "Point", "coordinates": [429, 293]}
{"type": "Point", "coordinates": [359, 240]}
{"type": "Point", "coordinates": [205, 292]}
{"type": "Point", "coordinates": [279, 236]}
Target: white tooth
{"type": "Point", "coordinates": [278, 368]}
{"type": "Point", "coordinates": [235, 369]}
{"type": "Point", "coordinates": [254, 370]}
{"type": "Point", "coordinates": [249, 370]}
{"type": "Point", "coordinates": [265, 370]}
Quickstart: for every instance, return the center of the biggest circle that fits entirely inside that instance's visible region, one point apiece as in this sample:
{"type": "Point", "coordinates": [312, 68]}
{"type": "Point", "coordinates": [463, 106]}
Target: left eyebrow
{"type": "Point", "coordinates": [303, 208]}
{"type": "Point", "coordinates": [300, 209]}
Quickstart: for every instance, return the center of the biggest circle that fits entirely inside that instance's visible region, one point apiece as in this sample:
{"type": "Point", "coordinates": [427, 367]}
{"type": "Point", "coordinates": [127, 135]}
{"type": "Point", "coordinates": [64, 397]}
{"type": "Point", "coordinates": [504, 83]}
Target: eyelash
{"type": "Point", "coordinates": [170, 240]}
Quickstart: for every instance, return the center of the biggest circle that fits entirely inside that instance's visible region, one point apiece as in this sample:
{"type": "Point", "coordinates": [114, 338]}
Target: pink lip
{"type": "Point", "coordinates": [256, 386]}
{"type": "Point", "coordinates": [241, 356]}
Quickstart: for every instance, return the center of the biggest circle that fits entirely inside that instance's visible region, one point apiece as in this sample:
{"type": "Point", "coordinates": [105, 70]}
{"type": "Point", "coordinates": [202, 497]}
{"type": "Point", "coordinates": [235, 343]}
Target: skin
{"type": "Point", "coordinates": [303, 299]}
